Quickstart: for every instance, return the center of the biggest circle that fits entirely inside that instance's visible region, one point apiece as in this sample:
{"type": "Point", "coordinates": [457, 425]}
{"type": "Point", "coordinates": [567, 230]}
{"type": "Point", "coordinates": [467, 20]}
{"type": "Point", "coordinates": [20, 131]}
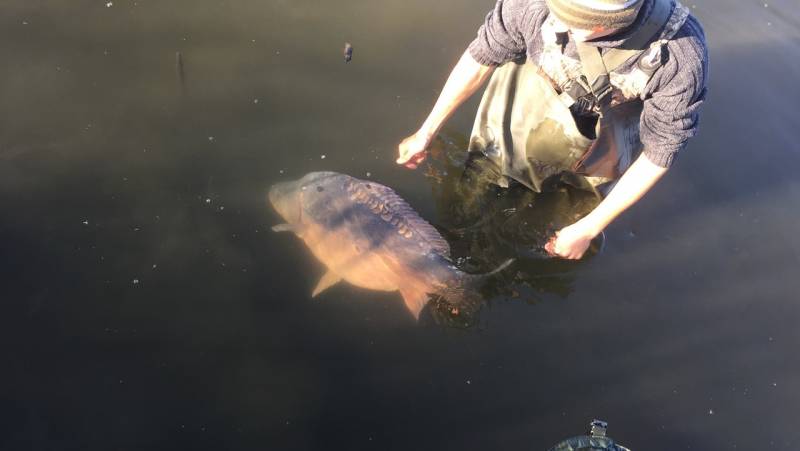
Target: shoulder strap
{"type": "Point", "coordinates": [596, 66]}
{"type": "Point", "coordinates": [640, 41]}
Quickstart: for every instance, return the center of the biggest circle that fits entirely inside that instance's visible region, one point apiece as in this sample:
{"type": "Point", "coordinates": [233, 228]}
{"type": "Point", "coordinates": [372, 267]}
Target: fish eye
{"type": "Point", "coordinates": [368, 186]}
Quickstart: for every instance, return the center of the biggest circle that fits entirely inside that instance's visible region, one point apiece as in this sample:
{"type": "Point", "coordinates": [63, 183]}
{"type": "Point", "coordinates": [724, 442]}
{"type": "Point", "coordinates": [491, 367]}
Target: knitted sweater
{"type": "Point", "coordinates": [672, 98]}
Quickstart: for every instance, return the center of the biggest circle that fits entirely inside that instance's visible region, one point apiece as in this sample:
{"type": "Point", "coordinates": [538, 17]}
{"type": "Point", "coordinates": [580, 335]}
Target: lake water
{"type": "Point", "coordinates": [145, 303]}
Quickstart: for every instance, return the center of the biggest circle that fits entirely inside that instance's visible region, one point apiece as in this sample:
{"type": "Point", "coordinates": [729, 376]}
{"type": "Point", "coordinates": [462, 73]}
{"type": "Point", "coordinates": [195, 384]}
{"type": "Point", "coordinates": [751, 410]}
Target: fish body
{"type": "Point", "coordinates": [365, 234]}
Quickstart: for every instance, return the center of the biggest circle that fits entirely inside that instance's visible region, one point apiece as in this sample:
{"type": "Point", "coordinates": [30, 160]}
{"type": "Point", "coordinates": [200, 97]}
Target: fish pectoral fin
{"type": "Point", "coordinates": [415, 300]}
{"type": "Point", "coordinates": [328, 280]}
{"type": "Point", "coordinates": [286, 228]}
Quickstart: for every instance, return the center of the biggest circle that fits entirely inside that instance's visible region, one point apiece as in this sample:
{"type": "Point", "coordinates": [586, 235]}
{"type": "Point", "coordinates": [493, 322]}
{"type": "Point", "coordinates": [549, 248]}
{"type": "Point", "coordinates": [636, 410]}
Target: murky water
{"type": "Point", "coordinates": [146, 304]}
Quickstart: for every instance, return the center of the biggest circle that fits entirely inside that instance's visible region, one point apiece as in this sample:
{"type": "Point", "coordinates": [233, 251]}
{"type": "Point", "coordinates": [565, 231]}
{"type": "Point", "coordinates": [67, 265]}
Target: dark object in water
{"type": "Point", "coordinates": [179, 70]}
{"type": "Point", "coordinates": [348, 52]}
{"type": "Point", "coordinates": [596, 440]}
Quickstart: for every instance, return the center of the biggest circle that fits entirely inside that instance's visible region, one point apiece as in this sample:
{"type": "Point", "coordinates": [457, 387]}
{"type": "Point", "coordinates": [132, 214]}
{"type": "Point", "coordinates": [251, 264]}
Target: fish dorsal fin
{"type": "Point", "coordinates": [397, 207]}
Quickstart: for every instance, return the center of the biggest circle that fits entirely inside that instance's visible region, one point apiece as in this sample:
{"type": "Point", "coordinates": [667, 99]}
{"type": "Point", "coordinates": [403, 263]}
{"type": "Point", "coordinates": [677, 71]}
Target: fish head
{"type": "Point", "coordinates": [293, 200]}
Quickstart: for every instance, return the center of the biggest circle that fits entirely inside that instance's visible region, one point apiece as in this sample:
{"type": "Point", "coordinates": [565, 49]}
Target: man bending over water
{"type": "Point", "coordinates": [605, 91]}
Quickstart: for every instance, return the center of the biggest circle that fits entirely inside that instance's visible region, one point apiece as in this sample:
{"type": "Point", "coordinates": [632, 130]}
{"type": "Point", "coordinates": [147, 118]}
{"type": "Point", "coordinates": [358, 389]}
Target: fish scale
{"type": "Point", "coordinates": [393, 210]}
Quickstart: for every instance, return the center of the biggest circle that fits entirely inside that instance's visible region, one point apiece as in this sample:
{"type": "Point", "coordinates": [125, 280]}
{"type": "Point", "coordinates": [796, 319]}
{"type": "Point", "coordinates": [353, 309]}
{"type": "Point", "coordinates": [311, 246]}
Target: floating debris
{"type": "Point", "coordinates": [109, 4]}
{"type": "Point", "coordinates": [179, 73]}
{"type": "Point", "coordinates": [348, 52]}
{"type": "Point", "coordinates": [322, 157]}
{"type": "Point", "coordinates": [136, 281]}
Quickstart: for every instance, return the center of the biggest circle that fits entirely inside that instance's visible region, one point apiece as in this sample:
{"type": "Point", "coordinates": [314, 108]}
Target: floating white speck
{"type": "Point", "coordinates": [322, 157]}
{"type": "Point", "coordinates": [136, 281]}
{"type": "Point", "coordinates": [208, 200]}
{"type": "Point", "coordinates": [155, 266]}
{"type": "Point", "coordinates": [711, 411]}
{"type": "Point", "coordinates": [86, 222]}
{"type": "Point", "coordinates": [369, 174]}
{"type": "Point", "coordinates": [109, 4]}
{"type": "Point", "coordinates": [281, 171]}
{"type": "Point", "coordinates": [221, 208]}
{"type": "Point", "coordinates": [469, 382]}
{"type": "Point", "coordinates": [210, 138]}
{"type": "Point", "coordinates": [24, 22]}
{"type": "Point", "coordinates": [255, 100]}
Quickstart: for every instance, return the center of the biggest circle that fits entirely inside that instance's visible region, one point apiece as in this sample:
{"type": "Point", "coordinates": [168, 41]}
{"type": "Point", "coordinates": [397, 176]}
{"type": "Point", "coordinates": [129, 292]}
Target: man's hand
{"type": "Point", "coordinates": [413, 150]}
{"type": "Point", "coordinates": [464, 80]}
{"type": "Point", "coordinates": [570, 242]}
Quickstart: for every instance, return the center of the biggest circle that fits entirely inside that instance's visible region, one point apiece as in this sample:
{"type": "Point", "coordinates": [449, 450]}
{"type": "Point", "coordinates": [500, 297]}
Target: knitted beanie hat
{"type": "Point", "coordinates": [588, 14]}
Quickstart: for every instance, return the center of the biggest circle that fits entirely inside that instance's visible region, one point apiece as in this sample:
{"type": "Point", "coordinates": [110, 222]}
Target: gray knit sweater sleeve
{"type": "Point", "coordinates": [507, 27]}
{"type": "Point", "coordinates": [674, 95]}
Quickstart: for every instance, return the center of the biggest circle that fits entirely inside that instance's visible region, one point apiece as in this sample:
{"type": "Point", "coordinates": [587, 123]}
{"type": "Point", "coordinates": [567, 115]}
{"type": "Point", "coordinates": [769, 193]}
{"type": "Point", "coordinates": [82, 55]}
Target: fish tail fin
{"type": "Point", "coordinates": [502, 267]}
{"type": "Point", "coordinates": [460, 302]}
{"type": "Point", "coordinates": [476, 281]}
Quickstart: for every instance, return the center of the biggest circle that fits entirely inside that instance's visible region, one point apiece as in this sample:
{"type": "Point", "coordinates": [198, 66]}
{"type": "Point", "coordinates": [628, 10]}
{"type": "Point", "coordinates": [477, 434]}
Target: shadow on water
{"type": "Point", "coordinates": [486, 224]}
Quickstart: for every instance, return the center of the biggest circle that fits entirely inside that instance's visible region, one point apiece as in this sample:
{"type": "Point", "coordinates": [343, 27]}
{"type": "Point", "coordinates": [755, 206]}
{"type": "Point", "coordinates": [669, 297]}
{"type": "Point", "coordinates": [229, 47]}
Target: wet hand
{"type": "Point", "coordinates": [570, 242]}
{"type": "Point", "coordinates": [413, 150]}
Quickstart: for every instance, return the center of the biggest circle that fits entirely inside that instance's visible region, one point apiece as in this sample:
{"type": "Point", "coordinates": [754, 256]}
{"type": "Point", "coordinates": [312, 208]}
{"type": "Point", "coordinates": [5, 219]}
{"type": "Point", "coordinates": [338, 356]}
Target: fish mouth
{"type": "Point", "coordinates": [277, 191]}
{"type": "Point", "coordinates": [286, 199]}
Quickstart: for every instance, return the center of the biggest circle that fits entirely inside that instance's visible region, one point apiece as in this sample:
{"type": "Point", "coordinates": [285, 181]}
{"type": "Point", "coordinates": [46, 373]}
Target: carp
{"type": "Point", "coordinates": [368, 236]}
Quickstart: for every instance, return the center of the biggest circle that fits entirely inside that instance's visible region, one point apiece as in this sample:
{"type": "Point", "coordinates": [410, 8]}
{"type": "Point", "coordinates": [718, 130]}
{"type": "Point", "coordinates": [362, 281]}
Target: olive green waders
{"type": "Point", "coordinates": [524, 128]}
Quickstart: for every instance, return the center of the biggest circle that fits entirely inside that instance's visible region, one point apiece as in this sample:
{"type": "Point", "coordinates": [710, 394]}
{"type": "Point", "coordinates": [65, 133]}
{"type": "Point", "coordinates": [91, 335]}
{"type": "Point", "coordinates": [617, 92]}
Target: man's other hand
{"type": "Point", "coordinates": [570, 242]}
{"type": "Point", "coordinates": [413, 150]}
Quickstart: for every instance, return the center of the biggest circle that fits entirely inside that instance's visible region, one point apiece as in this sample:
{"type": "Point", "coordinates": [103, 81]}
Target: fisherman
{"type": "Point", "coordinates": [604, 93]}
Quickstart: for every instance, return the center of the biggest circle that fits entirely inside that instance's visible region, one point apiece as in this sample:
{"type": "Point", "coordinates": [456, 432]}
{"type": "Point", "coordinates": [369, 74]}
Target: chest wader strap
{"type": "Point", "coordinates": [596, 66]}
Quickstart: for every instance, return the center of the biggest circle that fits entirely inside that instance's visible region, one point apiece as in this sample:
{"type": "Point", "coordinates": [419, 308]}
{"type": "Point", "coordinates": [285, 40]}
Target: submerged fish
{"type": "Point", "coordinates": [370, 237]}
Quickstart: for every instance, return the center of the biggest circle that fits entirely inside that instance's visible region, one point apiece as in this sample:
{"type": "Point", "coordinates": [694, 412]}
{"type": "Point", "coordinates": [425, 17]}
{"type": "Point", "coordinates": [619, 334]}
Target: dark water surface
{"type": "Point", "coordinates": [145, 304]}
